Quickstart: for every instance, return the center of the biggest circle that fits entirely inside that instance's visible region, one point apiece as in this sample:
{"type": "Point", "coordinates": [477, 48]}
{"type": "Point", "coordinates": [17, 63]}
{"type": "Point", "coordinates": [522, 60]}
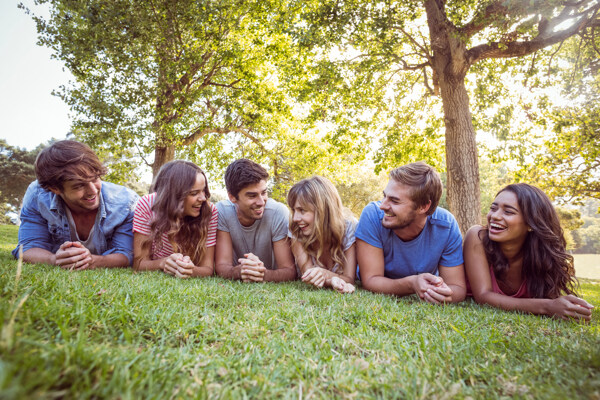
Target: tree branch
{"type": "Point", "coordinates": [482, 20]}
{"type": "Point", "coordinates": [522, 48]}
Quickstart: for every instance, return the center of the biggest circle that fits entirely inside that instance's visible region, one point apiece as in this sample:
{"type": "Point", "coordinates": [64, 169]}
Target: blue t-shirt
{"type": "Point", "coordinates": [439, 243]}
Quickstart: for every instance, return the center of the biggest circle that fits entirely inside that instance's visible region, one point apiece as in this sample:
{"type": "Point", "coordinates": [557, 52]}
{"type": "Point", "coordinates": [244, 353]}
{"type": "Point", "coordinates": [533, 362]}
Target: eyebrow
{"type": "Point", "coordinates": [506, 206]}
{"type": "Point", "coordinates": [391, 197]}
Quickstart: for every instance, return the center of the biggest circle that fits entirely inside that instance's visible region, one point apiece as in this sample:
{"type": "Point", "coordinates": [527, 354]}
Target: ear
{"type": "Point", "coordinates": [232, 197]}
{"type": "Point", "coordinates": [424, 208]}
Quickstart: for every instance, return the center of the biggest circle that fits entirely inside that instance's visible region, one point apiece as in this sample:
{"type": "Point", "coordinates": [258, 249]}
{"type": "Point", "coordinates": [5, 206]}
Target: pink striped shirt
{"type": "Point", "coordinates": [143, 218]}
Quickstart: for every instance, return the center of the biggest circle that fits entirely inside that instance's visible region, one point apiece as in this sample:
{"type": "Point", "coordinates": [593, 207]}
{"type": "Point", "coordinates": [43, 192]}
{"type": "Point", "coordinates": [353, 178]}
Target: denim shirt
{"type": "Point", "coordinates": [44, 222]}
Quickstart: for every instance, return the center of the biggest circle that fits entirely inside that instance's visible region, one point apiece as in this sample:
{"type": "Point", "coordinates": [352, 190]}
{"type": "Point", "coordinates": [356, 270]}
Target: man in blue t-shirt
{"type": "Point", "coordinates": [406, 244]}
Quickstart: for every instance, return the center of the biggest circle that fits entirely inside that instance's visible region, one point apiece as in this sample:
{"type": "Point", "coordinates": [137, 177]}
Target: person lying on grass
{"type": "Point", "coordinates": [70, 217]}
{"type": "Point", "coordinates": [518, 261]}
{"type": "Point", "coordinates": [322, 239]}
{"type": "Point", "coordinates": [406, 244]}
{"type": "Point", "coordinates": [175, 225]}
{"type": "Point", "coordinates": [252, 242]}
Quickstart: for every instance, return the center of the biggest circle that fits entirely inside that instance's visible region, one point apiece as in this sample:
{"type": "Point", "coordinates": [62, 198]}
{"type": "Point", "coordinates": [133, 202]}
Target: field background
{"type": "Point", "coordinates": [116, 334]}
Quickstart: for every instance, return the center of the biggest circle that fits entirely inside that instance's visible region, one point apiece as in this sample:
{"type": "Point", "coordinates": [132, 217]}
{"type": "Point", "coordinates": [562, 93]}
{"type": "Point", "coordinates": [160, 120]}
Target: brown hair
{"type": "Point", "coordinates": [172, 184]}
{"type": "Point", "coordinates": [242, 173]}
{"type": "Point", "coordinates": [66, 160]}
{"type": "Point", "coordinates": [547, 266]}
{"type": "Point", "coordinates": [424, 181]}
{"type": "Point", "coordinates": [319, 195]}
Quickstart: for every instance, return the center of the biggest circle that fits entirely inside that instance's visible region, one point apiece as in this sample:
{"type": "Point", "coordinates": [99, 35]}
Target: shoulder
{"type": "Point", "coordinates": [473, 235]}
{"type": "Point", "coordinates": [372, 210]}
{"type": "Point", "coordinates": [276, 207]}
{"type": "Point", "coordinates": [146, 200]}
{"type": "Point", "coordinates": [224, 205]}
{"type": "Point", "coordinates": [118, 194]}
{"type": "Point", "coordinates": [442, 218]}
{"type": "Point", "coordinates": [37, 196]}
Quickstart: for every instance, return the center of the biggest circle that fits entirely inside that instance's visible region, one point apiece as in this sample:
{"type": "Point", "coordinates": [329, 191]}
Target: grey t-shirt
{"type": "Point", "coordinates": [257, 238]}
{"type": "Point", "coordinates": [89, 243]}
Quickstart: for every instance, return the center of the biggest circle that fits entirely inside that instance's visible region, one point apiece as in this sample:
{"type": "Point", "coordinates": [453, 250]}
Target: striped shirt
{"type": "Point", "coordinates": [143, 218]}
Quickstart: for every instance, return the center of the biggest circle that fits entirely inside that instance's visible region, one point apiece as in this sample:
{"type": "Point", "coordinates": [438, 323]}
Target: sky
{"type": "Point", "coordinates": [29, 113]}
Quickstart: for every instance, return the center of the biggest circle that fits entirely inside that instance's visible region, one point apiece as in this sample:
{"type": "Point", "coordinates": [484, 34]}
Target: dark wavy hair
{"type": "Point", "coordinates": [547, 266]}
{"type": "Point", "coordinates": [242, 173]}
{"type": "Point", "coordinates": [67, 160]}
{"type": "Point", "coordinates": [172, 184]}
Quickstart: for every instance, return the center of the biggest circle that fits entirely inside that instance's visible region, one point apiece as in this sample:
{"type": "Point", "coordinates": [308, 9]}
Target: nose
{"type": "Point", "coordinates": [90, 188]}
{"type": "Point", "coordinates": [296, 217]}
{"type": "Point", "coordinates": [384, 204]}
{"type": "Point", "coordinates": [202, 196]}
{"type": "Point", "coordinates": [261, 200]}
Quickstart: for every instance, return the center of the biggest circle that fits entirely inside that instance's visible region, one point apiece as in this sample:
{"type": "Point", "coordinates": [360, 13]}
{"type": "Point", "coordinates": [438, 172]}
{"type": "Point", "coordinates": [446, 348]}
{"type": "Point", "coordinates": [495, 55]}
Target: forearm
{"type": "Point", "coordinates": [148, 265]}
{"type": "Point", "coordinates": [115, 260]}
{"type": "Point", "coordinates": [203, 271]}
{"type": "Point", "coordinates": [228, 271]}
{"type": "Point", "coordinates": [507, 303]}
{"type": "Point", "coordinates": [37, 255]}
{"type": "Point", "coordinates": [398, 287]}
{"type": "Point", "coordinates": [329, 275]}
{"type": "Point", "coordinates": [458, 293]}
{"type": "Point", "coordinates": [280, 274]}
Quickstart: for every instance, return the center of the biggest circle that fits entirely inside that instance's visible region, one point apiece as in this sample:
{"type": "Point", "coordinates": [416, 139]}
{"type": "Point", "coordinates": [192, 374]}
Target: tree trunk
{"type": "Point", "coordinates": [162, 155]}
{"type": "Point", "coordinates": [461, 154]}
{"type": "Point", "coordinates": [450, 66]}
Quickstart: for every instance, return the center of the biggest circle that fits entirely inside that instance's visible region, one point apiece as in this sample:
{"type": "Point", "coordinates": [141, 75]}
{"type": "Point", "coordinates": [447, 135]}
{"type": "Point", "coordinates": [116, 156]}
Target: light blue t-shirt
{"type": "Point", "coordinates": [439, 243]}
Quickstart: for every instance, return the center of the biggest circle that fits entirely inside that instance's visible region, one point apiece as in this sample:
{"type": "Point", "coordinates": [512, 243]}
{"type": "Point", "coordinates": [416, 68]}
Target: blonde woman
{"type": "Point", "coordinates": [322, 238]}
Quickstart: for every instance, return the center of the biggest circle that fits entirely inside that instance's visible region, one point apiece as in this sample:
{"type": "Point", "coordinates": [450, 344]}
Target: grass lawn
{"type": "Point", "coordinates": [116, 334]}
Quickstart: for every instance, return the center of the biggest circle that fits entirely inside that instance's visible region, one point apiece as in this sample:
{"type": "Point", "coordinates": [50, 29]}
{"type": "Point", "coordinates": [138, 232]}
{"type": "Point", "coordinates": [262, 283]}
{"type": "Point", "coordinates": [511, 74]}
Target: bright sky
{"type": "Point", "coordinates": [29, 114]}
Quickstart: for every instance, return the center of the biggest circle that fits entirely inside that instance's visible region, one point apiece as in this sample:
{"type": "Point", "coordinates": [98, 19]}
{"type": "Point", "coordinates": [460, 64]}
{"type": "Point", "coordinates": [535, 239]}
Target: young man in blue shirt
{"type": "Point", "coordinates": [71, 218]}
{"type": "Point", "coordinates": [406, 244]}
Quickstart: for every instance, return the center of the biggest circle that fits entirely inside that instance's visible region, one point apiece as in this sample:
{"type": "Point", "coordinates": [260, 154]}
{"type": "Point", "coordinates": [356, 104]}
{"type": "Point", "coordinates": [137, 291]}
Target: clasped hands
{"type": "Point", "coordinates": [178, 265]}
{"type": "Point", "coordinates": [73, 256]}
{"type": "Point", "coordinates": [432, 289]}
{"type": "Point", "coordinates": [252, 269]}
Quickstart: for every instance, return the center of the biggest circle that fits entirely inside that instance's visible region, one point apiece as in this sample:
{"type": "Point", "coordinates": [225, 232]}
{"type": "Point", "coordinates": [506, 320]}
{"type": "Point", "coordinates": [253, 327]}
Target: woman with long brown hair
{"type": "Point", "coordinates": [519, 260]}
{"type": "Point", "coordinates": [175, 225]}
{"type": "Point", "coordinates": [322, 238]}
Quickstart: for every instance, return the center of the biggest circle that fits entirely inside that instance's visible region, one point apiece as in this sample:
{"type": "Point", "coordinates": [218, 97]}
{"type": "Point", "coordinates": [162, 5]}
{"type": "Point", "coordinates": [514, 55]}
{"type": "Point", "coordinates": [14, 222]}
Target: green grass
{"type": "Point", "coordinates": [115, 334]}
{"type": "Point", "coordinates": [587, 266]}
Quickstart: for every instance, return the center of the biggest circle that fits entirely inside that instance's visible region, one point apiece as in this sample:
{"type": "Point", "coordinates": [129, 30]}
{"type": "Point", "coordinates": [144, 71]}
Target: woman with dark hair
{"type": "Point", "coordinates": [322, 237]}
{"type": "Point", "coordinates": [175, 225]}
{"type": "Point", "coordinates": [519, 260]}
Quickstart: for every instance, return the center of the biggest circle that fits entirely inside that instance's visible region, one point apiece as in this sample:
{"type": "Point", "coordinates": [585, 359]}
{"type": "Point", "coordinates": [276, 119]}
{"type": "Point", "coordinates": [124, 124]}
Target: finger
{"type": "Point", "coordinates": [309, 274]}
{"type": "Point", "coordinates": [579, 301]}
{"type": "Point", "coordinates": [252, 272]}
{"type": "Point", "coordinates": [349, 288]}
{"type": "Point", "coordinates": [427, 297]}
{"type": "Point", "coordinates": [442, 290]}
{"type": "Point", "coordinates": [442, 298]}
{"type": "Point", "coordinates": [83, 267]}
{"type": "Point", "coordinates": [320, 281]}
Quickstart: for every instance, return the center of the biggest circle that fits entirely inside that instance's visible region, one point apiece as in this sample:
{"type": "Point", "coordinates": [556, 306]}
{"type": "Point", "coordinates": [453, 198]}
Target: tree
{"type": "Point", "coordinates": [160, 76]}
{"type": "Point", "coordinates": [438, 42]}
{"type": "Point", "coordinates": [16, 173]}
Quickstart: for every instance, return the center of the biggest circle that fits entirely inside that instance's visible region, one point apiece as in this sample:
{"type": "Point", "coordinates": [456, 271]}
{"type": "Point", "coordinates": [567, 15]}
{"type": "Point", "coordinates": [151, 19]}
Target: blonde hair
{"type": "Point", "coordinates": [319, 195]}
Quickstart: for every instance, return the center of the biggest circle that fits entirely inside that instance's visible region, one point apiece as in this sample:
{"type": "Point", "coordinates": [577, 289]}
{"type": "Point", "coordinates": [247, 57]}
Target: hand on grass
{"type": "Point", "coordinates": [432, 289]}
{"type": "Point", "coordinates": [570, 307]}
{"type": "Point", "coordinates": [341, 286]}
{"type": "Point", "coordinates": [178, 265]}
{"type": "Point", "coordinates": [253, 270]}
{"type": "Point", "coordinates": [315, 276]}
{"type": "Point", "coordinates": [73, 256]}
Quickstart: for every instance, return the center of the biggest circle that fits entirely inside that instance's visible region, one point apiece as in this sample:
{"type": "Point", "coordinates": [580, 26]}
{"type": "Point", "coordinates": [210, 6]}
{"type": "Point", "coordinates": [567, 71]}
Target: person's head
{"type": "Point", "coordinates": [317, 218]}
{"type": "Point", "coordinates": [71, 170]}
{"type": "Point", "coordinates": [181, 188]}
{"type": "Point", "coordinates": [181, 208]}
{"type": "Point", "coordinates": [246, 183]}
{"type": "Point", "coordinates": [413, 190]}
{"type": "Point", "coordinates": [522, 214]}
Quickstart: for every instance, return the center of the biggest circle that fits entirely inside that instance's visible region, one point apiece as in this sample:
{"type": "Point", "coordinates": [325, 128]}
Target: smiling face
{"type": "Point", "coordinates": [505, 219]}
{"type": "Point", "coordinates": [251, 202]}
{"type": "Point", "coordinates": [81, 195]}
{"type": "Point", "coordinates": [304, 218]}
{"type": "Point", "coordinates": [195, 198]}
{"type": "Point", "coordinates": [400, 211]}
